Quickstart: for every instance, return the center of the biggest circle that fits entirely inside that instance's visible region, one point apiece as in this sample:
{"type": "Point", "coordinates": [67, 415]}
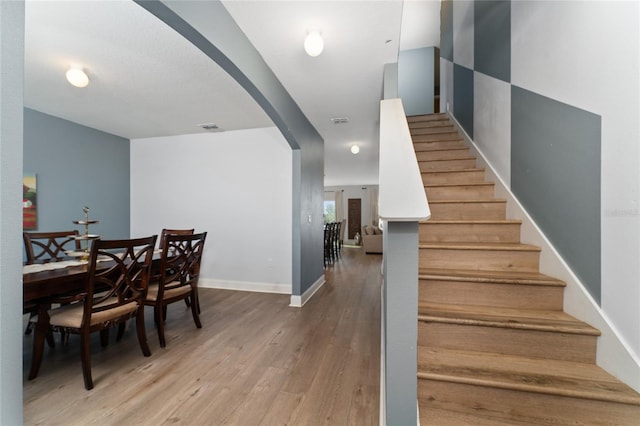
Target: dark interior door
{"type": "Point", "coordinates": [354, 209]}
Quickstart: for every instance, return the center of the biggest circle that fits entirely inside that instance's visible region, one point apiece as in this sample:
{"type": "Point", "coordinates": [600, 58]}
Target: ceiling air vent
{"type": "Point", "coordinates": [210, 127]}
{"type": "Point", "coordinates": [339, 120]}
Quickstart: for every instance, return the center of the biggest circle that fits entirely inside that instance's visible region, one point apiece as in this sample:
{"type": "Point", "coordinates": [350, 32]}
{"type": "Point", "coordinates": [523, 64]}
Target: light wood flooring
{"type": "Point", "coordinates": [256, 361]}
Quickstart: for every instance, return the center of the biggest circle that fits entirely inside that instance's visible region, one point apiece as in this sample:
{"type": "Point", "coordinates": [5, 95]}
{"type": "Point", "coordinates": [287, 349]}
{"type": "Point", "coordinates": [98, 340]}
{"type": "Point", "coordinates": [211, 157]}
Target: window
{"type": "Point", "coordinates": [329, 211]}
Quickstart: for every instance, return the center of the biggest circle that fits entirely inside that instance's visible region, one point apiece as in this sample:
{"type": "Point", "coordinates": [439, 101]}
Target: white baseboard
{"type": "Point", "coordinates": [245, 286]}
{"type": "Point", "coordinates": [613, 353]}
{"type": "Point", "coordinates": [299, 301]}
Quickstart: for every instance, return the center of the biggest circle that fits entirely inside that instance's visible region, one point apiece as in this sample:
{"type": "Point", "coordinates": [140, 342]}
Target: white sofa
{"type": "Point", "coordinates": [371, 239]}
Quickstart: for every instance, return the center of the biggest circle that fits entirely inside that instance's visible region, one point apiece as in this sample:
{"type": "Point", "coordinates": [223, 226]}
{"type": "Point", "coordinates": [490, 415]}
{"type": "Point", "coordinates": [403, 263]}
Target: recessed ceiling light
{"type": "Point", "coordinates": [355, 149]}
{"type": "Point", "coordinates": [313, 43]}
{"type": "Point", "coordinates": [77, 77]}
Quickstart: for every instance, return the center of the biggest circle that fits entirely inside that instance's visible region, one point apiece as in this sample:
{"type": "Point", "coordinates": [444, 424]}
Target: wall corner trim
{"type": "Point", "coordinates": [299, 301]}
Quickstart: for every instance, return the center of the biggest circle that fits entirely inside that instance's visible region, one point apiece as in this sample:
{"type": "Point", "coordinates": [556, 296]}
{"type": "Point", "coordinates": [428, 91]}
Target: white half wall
{"type": "Point", "coordinates": [235, 185]}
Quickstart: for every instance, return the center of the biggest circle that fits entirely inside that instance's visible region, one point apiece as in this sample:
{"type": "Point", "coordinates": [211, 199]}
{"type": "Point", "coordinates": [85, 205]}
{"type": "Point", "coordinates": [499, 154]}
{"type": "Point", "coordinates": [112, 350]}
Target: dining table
{"type": "Point", "coordinates": [46, 282]}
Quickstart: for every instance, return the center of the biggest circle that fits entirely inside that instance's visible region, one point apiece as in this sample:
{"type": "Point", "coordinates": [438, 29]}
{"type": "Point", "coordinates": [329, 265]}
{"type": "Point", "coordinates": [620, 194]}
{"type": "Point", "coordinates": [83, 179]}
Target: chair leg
{"type": "Point", "coordinates": [194, 308]}
{"type": "Point", "coordinates": [104, 337]}
{"type": "Point", "coordinates": [42, 329]}
{"type": "Point", "coordinates": [85, 356]}
{"type": "Point", "coordinates": [142, 333]}
{"type": "Point", "coordinates": [121, 328]}
{"type": "Point", "coordinates": [30, 325]}
{"type": "Point", "coordinates": [50, 340]}
{"type": "Point", "coordinates": [160, 310]}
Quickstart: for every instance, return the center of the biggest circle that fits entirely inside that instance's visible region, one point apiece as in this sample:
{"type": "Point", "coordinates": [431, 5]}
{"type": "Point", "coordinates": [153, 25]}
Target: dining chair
{"type": "Point", "coordinates": [163, 239]}
{"type": "Point", "coordinates": [49, 246]}
{"type": "Point", "coordinates": [179, 273]}
{"type": "Point", "coordinates": [41, 247]}
{"type": "Point", "coordinates": [114, 293]}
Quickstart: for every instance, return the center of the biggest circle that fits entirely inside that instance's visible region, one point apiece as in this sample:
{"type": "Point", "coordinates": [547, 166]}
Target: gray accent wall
{"type": "Point", "coordinates": [463, 97]}
{"type": "Point", "coordinates": [416, 80]}
{"type": "Point", "coordinates": [210, 27]}
{"type": "Point", "coordinates": [492, 38]}
{"type": "Point", "coordinates": [555, 173]}
{"type": "Point", "coordinates": [77, 166]}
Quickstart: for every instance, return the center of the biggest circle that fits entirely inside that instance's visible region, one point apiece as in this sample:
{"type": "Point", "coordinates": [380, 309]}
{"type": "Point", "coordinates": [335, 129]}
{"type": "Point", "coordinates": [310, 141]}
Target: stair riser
{"type": "Point", "coordinates": [479, 260]}
{"type": "Point", "coordinates": [458, 176]}
{"type": "Point", "coordinates": [510, 341]}
{"type": "Point", "coordinates": [453, 164]}
{"type": "Point", "coordinates": [435, 138]}
{"type": "Point", "coordinates": [449, 154]}
{"type": "Point", "coordinates": [444, 134]}
{"type": "Point", "coordinates": [469, 210]}
{"type": "Point", "coordinates": [430, 139]}
{"type": "Point", "coordinates": [443, 124]}
{"type": "Point", "coordinates": [428, 146]}
{"type": "Point", "coordinates": [432, 130]}
{"type": "Point", "coordinates": [519, 407]}
{"type": "Point", "coordinates": [460, 192]}
{"type": "Point", "coordinates": [496, 295]}
{"type": "Point", "coordinates": [431, 232]}
{"type": "Point", "coordinates": [427, 118]}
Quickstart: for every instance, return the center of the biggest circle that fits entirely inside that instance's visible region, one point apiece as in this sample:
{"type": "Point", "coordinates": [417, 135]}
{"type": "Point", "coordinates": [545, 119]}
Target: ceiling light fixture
{"type": "Point", "coordinates": [355, 149]}
{"type": "Point", "coordinates": [313, 43]}
{"type": "Point", "coordinates": [77, 77]}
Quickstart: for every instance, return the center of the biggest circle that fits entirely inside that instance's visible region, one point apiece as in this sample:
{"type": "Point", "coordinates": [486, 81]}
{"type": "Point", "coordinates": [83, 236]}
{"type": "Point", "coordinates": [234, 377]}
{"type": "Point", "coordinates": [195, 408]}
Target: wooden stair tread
{"type": "Point", "coordinates": [498, 277]}
{"type": "Point", "coordinates": [446, 185]}
{"type": "Point", "coordinates": [490, 316]}
{"type": "Point", "coordinates": [554, 377]}
{"type": "Point", "coordinates": [487, 200]}
{"type": "Point", "coordinates": [453, 171]}
{"type": "Point", "coordinates": [455, 148]}
{"type": "Point", "coordinates": [470, 221]}
{"type": "Point", "coordinates": [432, 130]}
{"type": "Point", "coordinates": [479, 246]}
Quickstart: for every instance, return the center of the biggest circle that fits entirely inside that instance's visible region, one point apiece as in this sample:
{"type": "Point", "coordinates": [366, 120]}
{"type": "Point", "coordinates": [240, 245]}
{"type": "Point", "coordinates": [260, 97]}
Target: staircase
{"type": "Point", "coordinates": [494, 345]}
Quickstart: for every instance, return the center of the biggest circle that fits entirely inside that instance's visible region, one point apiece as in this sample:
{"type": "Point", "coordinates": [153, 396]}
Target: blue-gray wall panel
{"type": "Point", "coordinates": [555, 173]}
{"type": "Point", "coordinates": [77, 166]}
{"type": "Point", "coordinates": [492, 38]}
{"type": "Point", "coordinates": [416, 80]}
{"type": "Point", "coordinates": [446, 30]}
{"type": "Point", "coordinates": [463, 97]}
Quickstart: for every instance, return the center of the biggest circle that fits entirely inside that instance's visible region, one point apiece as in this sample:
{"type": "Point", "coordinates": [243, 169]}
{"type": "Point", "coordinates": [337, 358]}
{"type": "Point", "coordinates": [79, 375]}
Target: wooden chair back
{"type": "Point", "coordinates": [165, 232]}
{"type": "Point", "coordinates": [43, 247]}
{"type": "Point", "coordinates": [180, 263]}
{"type": "Point", "coordinates": [121, 284]}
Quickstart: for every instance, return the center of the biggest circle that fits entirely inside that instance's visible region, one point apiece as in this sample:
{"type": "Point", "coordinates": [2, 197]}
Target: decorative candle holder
{"type": "Point", "coordinates": [86, 236]}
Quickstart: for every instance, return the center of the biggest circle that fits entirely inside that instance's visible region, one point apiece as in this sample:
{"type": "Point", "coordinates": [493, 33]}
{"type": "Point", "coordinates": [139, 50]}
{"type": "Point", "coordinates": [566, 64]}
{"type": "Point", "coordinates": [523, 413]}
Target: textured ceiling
{"type": "Point", "coordinates": [147, 81]}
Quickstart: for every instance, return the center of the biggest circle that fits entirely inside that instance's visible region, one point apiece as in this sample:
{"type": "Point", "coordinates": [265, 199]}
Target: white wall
{"type": "Point", "coordinates": [235, 185]}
